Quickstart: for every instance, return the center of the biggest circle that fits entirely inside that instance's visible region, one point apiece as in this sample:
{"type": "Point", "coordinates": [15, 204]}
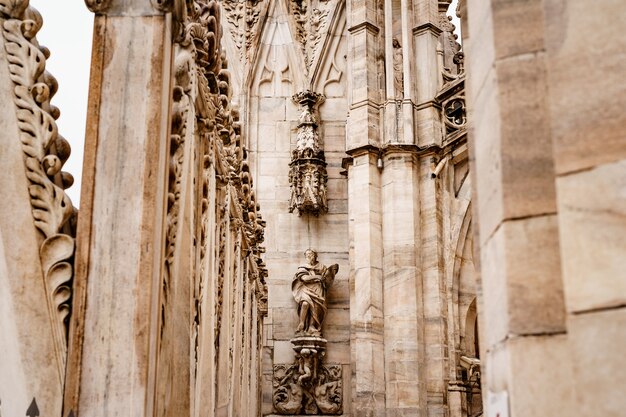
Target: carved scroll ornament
{"type": "Point", "coordinates": [45, 152]}
{"type": "Point", "coordinates": [206, 126]}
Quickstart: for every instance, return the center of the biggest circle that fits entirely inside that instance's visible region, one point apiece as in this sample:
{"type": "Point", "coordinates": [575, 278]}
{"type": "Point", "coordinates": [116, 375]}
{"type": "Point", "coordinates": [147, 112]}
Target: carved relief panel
{"type": "Point", "coordinates": [214, 235]}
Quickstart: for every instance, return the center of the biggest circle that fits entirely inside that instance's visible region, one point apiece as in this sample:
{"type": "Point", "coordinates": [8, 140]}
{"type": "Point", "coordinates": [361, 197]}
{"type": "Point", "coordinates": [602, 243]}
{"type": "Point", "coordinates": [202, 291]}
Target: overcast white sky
{"type": "Point", "coordinates": [67, 32]}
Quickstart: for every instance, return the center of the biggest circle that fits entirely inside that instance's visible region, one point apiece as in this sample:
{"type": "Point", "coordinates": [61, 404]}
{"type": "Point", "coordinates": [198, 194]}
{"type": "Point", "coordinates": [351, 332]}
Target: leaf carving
{"type": "Point", "coordinates": [51, 207]}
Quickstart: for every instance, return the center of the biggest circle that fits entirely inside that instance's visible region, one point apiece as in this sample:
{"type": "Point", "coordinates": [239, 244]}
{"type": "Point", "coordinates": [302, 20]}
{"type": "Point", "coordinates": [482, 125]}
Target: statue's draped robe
{"type": "Point", "coordinates": [310, 284]}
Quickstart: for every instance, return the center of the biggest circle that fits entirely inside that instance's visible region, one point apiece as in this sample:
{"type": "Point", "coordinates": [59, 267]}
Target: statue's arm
{"type": "Point", "coordinates": [310, 278]}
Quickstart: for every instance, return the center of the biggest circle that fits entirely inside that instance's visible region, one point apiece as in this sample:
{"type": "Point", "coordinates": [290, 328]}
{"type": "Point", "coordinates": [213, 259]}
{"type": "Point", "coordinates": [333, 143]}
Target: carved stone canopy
{"type": "Point", "coordinates": [307, 174]}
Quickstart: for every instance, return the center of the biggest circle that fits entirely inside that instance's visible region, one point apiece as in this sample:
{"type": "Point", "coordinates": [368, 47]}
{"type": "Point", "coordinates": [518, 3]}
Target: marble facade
{"type": "Point", "coordinates": [460, 210]}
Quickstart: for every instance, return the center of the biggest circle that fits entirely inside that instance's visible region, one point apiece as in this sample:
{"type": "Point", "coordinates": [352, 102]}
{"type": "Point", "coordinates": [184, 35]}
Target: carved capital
{"type": "Point", "coordinates": [308, 99]}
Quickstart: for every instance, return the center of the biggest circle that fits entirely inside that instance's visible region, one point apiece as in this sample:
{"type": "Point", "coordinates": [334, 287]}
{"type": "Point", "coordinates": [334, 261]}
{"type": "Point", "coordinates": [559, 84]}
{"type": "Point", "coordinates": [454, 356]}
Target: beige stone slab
{"type": "Point", "coordinates": [339, 353]}
{"type": "Point", "coordinates": [266, 137]}
{"type": "Point", "coordinates": [334, 109]}
{"type": "Point", "coordinates": [337, 325]}
{"type": "Point", "coordinates": [527, 163]}
{"type": "Point", "coordinates": [592, 208]}
{"type": "Point", "coordinates": [279, 295]}
{"type": "Point", "coordinates": [274, 165]}
{"type": "Point", "coordinates": [534, 370]}
{"type": "Point", "coordinates": [587, 91]}
{"type": "Point", "coordinates": [285, 321]}
{"type": "Point", "coordinates": [284, 133]}
{"type": "Point", "coordinates": [362, 127]}
{"type": "Point", "coordinates": [521, 280]}
{"type": "Point", "coordinates": [266, 187]}
{"type": "Point", "coordinates": [272, 108]}
{"type": "Point", "coordinates": [480, 54]}
{"type": "Point", "coordinates": [486, 164]}
{"type": "Point", "coordinates": [517, 27]}
{"type": "Point", "coordinates": [329, 233]}
{"type": "Point", "coordinates": [597, 343]}
{"type": "Point", "coordinates": [283, 352]}
{"type": "Point", "coordinates": [514, 165]}
{"type": "Point", "coordinates": [334, 136]}
{"type": "Point", "coordinates": [338, 206]}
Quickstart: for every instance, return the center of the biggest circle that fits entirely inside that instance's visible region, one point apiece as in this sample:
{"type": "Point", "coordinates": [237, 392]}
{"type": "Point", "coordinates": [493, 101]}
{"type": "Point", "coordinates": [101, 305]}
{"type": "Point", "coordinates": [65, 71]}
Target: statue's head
{"type": "Point", "coordinates": [311, 256]}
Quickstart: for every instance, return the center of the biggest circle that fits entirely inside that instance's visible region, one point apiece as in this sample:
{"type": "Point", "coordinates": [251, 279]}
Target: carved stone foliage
{"type": "Point", "coordinates": [311, 19]}
{"type": "Point", "coordinates": [206, 150]}
{"type": "Point", "coordinates": [45, 152]}
{"type": "Point", "coordinates": [317, 395]}
{"type": "Point", "coordinates": [243, 19]}
{"type": "Point", "coordinates": [307, 174]}
{"type": "Point", "coordinates": [308, 386]}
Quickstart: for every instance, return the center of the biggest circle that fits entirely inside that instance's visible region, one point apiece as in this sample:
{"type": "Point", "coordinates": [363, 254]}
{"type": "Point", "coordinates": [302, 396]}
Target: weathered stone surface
{"type": "Point", "coordinates": [596, 344]}
{"type": "Point", "coordinates": [586, 91]}
{"type": "Point", "coordinates": [593, 237]}
{"type": "Point", "coordinates": [175, 311]}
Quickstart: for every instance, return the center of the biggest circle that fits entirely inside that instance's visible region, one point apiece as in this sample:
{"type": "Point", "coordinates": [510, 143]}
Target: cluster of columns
{"type": "Point", "coordinates": [398, 311]}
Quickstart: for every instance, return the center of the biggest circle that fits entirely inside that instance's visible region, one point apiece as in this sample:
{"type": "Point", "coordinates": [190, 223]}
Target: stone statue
{"type": "Point", "coordinates": [309, 288]}
{"type": "Point", "coordinates": [308, 386]}
{"type": "Point", "coordinates": [398, 70]}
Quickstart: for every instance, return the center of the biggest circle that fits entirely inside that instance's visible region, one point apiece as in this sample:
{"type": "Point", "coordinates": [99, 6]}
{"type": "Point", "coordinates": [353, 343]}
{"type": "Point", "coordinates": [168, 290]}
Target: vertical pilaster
{"type": "Point", "coordinates": [403, 332]}
{"type": "Point", "coordinates": [426, 33]}
{"type": "Point", "coordinates": [363, 135]}
{"type": "Point", "coordinates": [119, 259]}
{"type": "Point", "coordinates": [366, 287]}
{"type": "Point", "coordinates": [365, 70]}
{"type": "Point", "coordinates": [433, 284]}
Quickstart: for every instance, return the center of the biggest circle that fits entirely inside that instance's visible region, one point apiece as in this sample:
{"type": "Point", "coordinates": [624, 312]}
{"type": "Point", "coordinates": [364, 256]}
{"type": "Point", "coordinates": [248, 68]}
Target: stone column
{"type": "Point", "coordinates": [364, 209]}
{"type": "Point", "coordinates": [366, 286]}
{"type": "Point", "coordinates": [426, 32]}
{"type": "Point", "coordinates": [523, 341]}
{"type": "Point", "coordinates": [112, 365]}
{"type": "Point", "coordinates": [402, 287]}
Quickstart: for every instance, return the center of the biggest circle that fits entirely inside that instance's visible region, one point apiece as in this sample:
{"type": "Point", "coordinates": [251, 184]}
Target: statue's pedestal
{"type": "Point", "coordinates": [312, 343]}
{"type": "Point", "coordinates": [307, 387]}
